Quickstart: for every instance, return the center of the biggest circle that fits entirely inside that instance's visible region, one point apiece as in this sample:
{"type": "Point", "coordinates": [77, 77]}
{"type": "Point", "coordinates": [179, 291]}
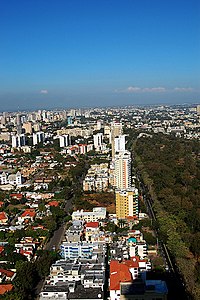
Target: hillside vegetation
{"type": "Point", "coordinates": [170, 167]}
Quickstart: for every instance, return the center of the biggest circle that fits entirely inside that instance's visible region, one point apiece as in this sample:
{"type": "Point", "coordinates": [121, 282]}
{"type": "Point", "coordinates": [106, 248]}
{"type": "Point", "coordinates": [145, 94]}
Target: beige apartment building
{"type": "Point", "coordinates": [126, 203]}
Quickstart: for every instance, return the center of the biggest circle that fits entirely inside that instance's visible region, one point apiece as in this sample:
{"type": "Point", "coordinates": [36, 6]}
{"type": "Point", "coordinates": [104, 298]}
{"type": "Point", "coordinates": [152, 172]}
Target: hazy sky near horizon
{"type": "Point", "coordinates": [74, 53]}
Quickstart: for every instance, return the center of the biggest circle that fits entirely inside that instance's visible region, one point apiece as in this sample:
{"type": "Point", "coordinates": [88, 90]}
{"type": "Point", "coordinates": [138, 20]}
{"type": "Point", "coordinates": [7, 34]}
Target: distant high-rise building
{"type": "Point", "coordinates": [198, 109]}
{"type": "Point", "coordinates": [78, 112]}
{"type": "Point", "coordinates": [65, 140]}
{"type": "Point", "coordinates": [36, 127]}
{"type": "Point", "coordinates": [18, 140]}
{"type": "Point", "coordinates": [69, 120]}
{"type": "Point", "coordinates": [32, 117]}
{"type": "Point", "coordinates": [15, 179]}
{"type": "Point", "coordinates": [18, 119]}
{"type": "Point", "coordinates": [18, 178]}
{"type": "Point", "coordinates": [3, 120]}
{"type": "Point", "coordinates": [126, 203]}
{"type": "Point", "coordinates": [82, 148]}
{"type": "Point", "coordinates": [28, 127]}
{"type": "Point", "coordinates": [44, 115]}
{"type": "Point", "coordinates": [122, 171]}
{"type": "Point", "coordinates": [87, 114]}
{"type": "Point", "coordinates": [38, 137]}
{"type": "Point", "coordinates": [18, 124]}
{"type": "Point", "coordinates": [23, 119]}
{"type": "Point", "coordinates": [5, 136]}
{"type": "Point", "coordinates": [49, 116]}
{"type": "Point", "coordinates": [5, 114]}
{"type": "Point", "coordinates": [107, 132]}
{"type": "Point", "coordinates": [99, 125]}
{"type": "Point", "coordinates": [72, 113]}
{"type": "Point", "coordinates": [3, 178]}
{"type": "Point", "coordinates": [98, 140]}
{"type": "Point", "coordinates": [38, 115]}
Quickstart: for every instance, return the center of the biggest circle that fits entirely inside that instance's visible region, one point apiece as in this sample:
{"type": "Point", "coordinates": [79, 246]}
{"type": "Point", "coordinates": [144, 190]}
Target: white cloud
{"type": "Point", "coordinates": [154, 89]}
{"type": "Point", "coordinates": [135, 89]}
{"type": "Point", "coordinates": [44, 92]}
{"type": "Point", "coordinates": [159, 89]}
{"type": "Point", "coordinates": [183, 89]}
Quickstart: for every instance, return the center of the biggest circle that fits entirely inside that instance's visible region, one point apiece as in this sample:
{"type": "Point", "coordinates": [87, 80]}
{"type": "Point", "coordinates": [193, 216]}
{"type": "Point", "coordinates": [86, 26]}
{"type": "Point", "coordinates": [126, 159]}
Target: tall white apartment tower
{"type": "Point", "coordinates": [120, 143]}
{"type": "Point", "coordinates": [98, 140]}
{"type": "Point", "coordinates": [122, 170]}
{"type": "Point", "coordinates": [18, 140]}
{"type": "Point", "coordinates": [14, 141]}
{"type": "Point", "coordinates": [99, 125]}
{"type": "Point", "coordinates": [116, 130]}
{"type": "Point", "coordinates": [65, 140]}
{"type": "Point", "coordinates": [38, 137]}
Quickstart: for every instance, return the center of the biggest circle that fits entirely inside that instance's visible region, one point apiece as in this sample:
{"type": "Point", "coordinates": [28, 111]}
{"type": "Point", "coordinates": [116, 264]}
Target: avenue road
{"type": "Point", "coordinates": [54, 243]}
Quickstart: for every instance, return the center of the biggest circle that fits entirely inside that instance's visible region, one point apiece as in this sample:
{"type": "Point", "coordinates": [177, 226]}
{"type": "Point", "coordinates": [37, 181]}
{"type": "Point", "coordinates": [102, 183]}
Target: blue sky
{"type": "Point", "coordinates": [65, 53]}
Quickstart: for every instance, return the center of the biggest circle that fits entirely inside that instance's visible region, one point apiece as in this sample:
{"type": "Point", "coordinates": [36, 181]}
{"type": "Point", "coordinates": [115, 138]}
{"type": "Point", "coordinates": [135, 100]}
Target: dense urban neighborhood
{"type": "Point", "coordinates": [100, 203]}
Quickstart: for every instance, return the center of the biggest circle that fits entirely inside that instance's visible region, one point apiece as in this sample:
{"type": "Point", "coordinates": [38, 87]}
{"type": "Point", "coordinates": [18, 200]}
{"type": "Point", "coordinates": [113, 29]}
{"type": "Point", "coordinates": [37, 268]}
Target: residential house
{"type": "Point", "coordinates": [6, 275]}
{"type": "Point", "coordinates": [4, 288]}
{"type": "Point", "coordinates": [27, 215]}
{"type": "Point", "coordinates": [91, 229]}
{"type": "Point", "coordinates": [3, 218]}
{"type": "Point", "coordinates": [128, 281]}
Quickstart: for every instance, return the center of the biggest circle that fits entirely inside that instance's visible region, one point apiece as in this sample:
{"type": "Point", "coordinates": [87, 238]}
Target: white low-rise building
{"type": "Point", "coordinates": [13, 179]}
{"type": "Point", "coordinates": [96, 214]}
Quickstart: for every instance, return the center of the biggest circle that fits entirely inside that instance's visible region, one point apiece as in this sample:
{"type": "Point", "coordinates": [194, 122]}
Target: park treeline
{"type": "Point", "coordinates": [170, 168]}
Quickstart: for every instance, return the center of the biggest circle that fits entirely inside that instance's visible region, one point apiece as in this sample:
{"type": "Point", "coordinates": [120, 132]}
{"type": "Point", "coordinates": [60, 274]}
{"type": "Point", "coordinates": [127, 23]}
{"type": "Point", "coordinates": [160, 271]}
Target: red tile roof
{"type": "Point", "coordinates": [26, 252]}
{"type": "Point", "coordinates": [5, 288]}
{"type": "Point", "coordinates": [92, 224]}
{"type": "Point", "coordinates": [129, 218]}
{"type": "Point", "coordinates": [3, 216]}
{"type": "Point", "coordinates": [18, 196]}
{"type": "Point", "coordinates": [8, 273]}
{"type": "Point", "coordinates": [1, 249]}
{"type": "Point", "coordinates": [38, 227]}
{"type": "Point", "coordinates": [28, 213]}
{"type": "Point", "coordinates": [74, 147]}
{"type": "Point", "coordinates": [119, 272]}
{"type": "Point", "coordinates": [53, 203]}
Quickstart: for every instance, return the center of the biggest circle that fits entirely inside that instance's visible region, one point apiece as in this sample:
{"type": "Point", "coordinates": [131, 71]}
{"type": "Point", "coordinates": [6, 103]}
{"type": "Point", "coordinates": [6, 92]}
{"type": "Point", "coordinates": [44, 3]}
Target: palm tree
{"type": "Point", "coordinates": [122, 223]}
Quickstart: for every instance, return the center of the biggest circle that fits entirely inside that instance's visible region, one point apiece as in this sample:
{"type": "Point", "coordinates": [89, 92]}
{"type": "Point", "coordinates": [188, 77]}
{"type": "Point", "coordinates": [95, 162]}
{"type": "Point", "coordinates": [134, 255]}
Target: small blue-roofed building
{"type": "Point", "coordinates": [146, 290]}
{"type": "Point", "coordinates": [137, 247]}
{"type": "Point", "coordinates": [132, 240]}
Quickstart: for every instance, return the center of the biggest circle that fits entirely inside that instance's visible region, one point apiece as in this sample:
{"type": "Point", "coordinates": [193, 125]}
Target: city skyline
{"type": "Point", "coordinates": [60, 54]}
